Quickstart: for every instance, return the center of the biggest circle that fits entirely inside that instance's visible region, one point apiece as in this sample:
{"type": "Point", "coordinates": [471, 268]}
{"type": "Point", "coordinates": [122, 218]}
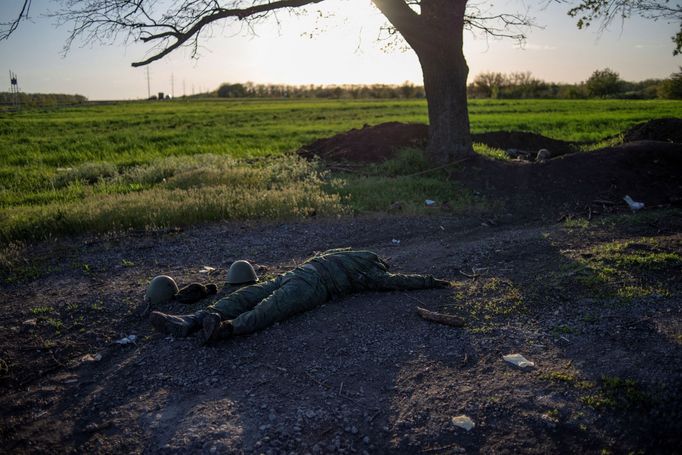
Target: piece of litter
{"type": "Point", "coordinates": [518, 360]}
{"type": "Point", "coordinates": [634, 205]}
{"type": "Point", "coordinates": [429, 202]}
{"type": "Point", "coordinates": [395, 242]}
{"type": "Point", "coordinates": [130, 339]}
{"type": "Point", "coordinates": [207, 269]}
{"type": "Point", "coordinates": [463, 422]}
{"type": "Point", "coordinates": [91, 358]}
{"type": "Point", "coordinates": [71, 381]}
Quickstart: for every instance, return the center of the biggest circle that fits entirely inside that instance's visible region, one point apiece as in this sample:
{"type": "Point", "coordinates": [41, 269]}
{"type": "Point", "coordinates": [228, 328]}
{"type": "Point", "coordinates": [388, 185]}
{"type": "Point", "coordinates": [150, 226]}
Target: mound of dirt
{"type": "Point", "coordinates": [581, 183]}
{"type": "Point", "coordinates": [523, 140]}
{"type": "Point", "coordinates": [369, 144]}
{"type": "Point", "coordinates": [373, 144]}
{"type": "Point", "coordinates": [662, 129]}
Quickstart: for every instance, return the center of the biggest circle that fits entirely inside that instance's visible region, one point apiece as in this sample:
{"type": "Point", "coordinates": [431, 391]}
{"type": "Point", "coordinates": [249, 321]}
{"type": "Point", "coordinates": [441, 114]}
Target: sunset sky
{"type": "Point", "coordinates": [345, 50]}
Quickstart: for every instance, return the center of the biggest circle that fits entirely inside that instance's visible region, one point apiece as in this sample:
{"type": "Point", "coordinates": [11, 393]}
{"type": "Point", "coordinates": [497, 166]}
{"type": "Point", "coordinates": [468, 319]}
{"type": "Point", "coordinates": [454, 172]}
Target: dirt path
{"type": "Point", "coordinates": [597, 308]}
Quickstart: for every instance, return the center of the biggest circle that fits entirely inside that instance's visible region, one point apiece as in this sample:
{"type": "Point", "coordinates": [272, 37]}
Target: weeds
{"type": "Point", "coordinates": [41, 310]}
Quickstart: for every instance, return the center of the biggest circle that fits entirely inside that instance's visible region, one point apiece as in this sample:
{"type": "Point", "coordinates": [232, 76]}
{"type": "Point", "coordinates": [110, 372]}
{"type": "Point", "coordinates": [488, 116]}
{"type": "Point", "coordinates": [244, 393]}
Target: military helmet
{"type": "Point", "coordinates": [161, 289]}
{"type": "Point", "coordinates": [241, 272]}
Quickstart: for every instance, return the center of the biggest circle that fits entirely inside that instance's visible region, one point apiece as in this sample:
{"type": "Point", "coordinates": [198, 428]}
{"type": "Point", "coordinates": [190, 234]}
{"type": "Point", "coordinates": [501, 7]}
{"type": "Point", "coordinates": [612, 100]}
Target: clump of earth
{"type": "Point", "coordinates": [664, 129]}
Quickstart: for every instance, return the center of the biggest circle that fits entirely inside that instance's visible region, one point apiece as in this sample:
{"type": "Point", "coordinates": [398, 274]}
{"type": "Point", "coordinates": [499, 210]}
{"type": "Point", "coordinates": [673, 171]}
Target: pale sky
{"type": "Point", "coordinates": [344, 51]}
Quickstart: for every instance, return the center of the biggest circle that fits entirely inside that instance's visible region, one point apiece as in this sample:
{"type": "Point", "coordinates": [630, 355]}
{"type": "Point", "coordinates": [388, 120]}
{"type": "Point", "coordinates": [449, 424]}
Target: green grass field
{"type": "Point", "coordinates": [149, 164]}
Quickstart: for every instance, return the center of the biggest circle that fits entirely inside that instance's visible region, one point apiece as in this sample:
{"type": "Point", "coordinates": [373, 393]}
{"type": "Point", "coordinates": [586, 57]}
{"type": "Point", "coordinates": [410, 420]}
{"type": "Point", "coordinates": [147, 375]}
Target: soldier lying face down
{"type": "Point", "coordinates": [321, 278]}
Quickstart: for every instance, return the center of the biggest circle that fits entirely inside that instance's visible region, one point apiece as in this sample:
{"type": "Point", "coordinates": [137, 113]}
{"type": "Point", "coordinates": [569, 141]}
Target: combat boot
{"type": "Point", "coordinates": [214, 329]}
{"type": "Point", "coordinates": [179, 326]}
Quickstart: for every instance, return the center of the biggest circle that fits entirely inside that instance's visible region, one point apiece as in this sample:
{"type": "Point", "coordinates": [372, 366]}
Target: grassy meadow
{"type": "Point", "coordinates": [104, 167]}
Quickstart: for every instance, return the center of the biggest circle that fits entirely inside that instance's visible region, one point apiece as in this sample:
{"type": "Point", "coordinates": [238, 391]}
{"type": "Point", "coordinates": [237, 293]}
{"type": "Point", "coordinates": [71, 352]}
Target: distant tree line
{"type": "Point", "coordinates": [41, 99]}
{"type": "Point", "coordinates": [351, 91]}
{"type": "Point", "coordinates": [604, 83]}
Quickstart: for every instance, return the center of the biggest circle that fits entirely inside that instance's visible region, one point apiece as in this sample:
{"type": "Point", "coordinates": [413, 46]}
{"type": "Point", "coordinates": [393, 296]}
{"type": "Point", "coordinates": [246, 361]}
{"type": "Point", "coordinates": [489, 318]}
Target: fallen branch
{"type": "Point", "coordinates": [440, 318]}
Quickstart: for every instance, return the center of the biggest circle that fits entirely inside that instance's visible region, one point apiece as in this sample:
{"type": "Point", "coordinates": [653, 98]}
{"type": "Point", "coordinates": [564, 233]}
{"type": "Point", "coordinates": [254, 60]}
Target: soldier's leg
{"type": "Point", "coordinates": [179, 326]}
{"type": "Point", "coordinates": [244, 299]}
{"type": "Point", "coordinates": [398, 281]}
{"type": "Point", "coordinates": [294, 296]}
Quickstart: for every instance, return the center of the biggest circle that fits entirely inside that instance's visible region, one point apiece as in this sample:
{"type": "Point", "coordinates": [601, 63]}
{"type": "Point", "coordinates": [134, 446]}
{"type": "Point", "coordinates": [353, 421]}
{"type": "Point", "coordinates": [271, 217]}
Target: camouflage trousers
{"type": "Point", "coordinates": [255, 307]}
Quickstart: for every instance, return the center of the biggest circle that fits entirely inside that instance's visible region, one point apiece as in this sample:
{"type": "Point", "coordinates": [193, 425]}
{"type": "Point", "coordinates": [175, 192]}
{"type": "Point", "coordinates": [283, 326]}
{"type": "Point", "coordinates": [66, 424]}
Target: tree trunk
{"type": "Point", "coordinates": [445, 81]}
{"type": "Point", "coordinates": [435, 34]}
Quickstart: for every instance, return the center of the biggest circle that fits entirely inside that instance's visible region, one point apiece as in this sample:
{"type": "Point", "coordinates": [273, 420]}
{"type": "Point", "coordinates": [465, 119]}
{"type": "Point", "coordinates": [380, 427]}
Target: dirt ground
{"type": "Point", "coordinates": [596, 306]}
{"type": "Point", "coordinates": [560, 271]}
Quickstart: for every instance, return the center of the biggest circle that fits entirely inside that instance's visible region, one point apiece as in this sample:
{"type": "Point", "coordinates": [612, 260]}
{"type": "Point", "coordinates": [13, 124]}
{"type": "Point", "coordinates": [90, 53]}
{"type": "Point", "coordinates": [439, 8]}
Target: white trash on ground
{"type": "Point", "coordinates": [463, 422]}
{"type": "Point", "coordinates": [91, 358]}
{"type": "Point", "coordinates": [207, 269]}
{"type": "Point", "coordinates": [395, 242]}
{"type": "Point", "coordinates": [518, 360]}
{"type": "Point", "coordinates": [130, 339]}
{"type": "Point", "coordinates": [430, 202]}
{"type": "Point", "coordinates": [634, 205]}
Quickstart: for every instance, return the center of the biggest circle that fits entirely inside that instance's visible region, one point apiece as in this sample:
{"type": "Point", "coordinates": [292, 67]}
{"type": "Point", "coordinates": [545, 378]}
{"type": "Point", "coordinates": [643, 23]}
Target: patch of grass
{"type": "Point", "coordinates": [41, 310]}
{"type": "Point", "coordinates": [127, 263]}
{"type": "Point", "coordinates": [626, 270]}
{"type": "Point", "coordinates": [562, 330]}
{"type": "Point", "coordinates": [15, 267]}
{"type": "Point", "coordinates": [616, 392]}
{"type": "Point", "coordinates": [55, 323]}
{"type": "Point", "coordinates": [644, 253]}
{"type": "Point", "coordinates": [576, 223]}
{"type": "Point", "coordinates": [598, 401]}
{"type": "Point", "coordinates": [202, 188]}
{"type": "Point", "coordinates": [559, 376]}
{"type": "Point", "coordinates": [97, 306]}
{"type": "Point", "coordinates": [491, 152]}
{"type": "Point", "coordinates": [626, 392]}
{"type": "Point", "coordinates": [486, 300]}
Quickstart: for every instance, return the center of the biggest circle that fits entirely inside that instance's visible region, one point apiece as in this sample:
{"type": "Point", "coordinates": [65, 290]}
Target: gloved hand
{"type": "Point", "coordinates": [195, 292]}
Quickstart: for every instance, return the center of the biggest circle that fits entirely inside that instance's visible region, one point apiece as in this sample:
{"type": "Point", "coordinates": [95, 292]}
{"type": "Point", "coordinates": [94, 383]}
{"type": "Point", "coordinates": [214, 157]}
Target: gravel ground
{"type": "Point", "coordinates": [362, 374]}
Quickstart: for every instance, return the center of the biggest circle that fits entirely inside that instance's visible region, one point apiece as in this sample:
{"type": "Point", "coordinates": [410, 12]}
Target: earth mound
{"type": "Point", "coordinates": [582, 183]}
{"type": "Point", "coordinates": [373, 144]}
{"type": "Point", "coordinates": [368, 144]}
{"type": "Point", "coordinates": [522, 140]}
{"type": "Point", "coordinates": [662, 129]}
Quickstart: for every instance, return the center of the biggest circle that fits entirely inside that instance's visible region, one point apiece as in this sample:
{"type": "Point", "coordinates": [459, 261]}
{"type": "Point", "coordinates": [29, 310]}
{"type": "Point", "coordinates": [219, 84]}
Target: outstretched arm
{"type": "Point", "coordinates": [398, 281]}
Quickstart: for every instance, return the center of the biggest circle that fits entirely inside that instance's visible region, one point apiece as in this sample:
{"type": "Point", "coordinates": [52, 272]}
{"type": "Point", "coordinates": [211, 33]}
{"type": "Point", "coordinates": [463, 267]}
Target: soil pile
{"type": "Point", "coordinates": [522, 140]}
{"type": "Point", "coordinates": [369, 144]}
{"type": "Point", "coordinates": [582, 183]}
{"type": "Point", "coordinates": [373, 144]}
{"type": "Point", "coordinates": [662, 129]}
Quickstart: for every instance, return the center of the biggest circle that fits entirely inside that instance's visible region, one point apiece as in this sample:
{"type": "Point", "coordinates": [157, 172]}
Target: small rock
{"type": "Point", "coordinates": [366, 440]}
{"type": "Point", "coordinates": [463, 421]}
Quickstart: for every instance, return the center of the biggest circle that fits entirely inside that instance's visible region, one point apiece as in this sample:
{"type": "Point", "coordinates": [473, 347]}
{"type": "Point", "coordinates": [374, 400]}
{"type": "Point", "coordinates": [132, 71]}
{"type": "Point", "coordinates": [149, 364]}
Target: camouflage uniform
{"type": "Point", "coordinates": [331, 274]}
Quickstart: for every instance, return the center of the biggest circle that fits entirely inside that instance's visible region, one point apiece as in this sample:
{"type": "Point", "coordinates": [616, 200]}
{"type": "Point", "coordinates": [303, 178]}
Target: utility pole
{"type": "Point", "coordinates": [184, 93]}
{"type": "Point", "coordinates": [149, 90]}
{"type": "Point", "coordinates": [173, 85]}
{"type": "Point", "coordinates": [14, 88]}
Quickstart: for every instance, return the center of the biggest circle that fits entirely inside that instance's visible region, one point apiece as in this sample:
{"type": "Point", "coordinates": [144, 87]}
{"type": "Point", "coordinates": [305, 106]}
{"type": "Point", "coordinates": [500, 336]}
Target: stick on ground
{"type": "Point", "coordinates": [441, 318]}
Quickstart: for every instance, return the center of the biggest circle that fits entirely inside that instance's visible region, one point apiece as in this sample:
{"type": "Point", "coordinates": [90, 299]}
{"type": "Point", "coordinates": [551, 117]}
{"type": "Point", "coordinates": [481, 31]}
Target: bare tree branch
{"type": "Point", "coordinates": [7, 28]}
{"type": "Point", "coordinates": [608, 11]}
